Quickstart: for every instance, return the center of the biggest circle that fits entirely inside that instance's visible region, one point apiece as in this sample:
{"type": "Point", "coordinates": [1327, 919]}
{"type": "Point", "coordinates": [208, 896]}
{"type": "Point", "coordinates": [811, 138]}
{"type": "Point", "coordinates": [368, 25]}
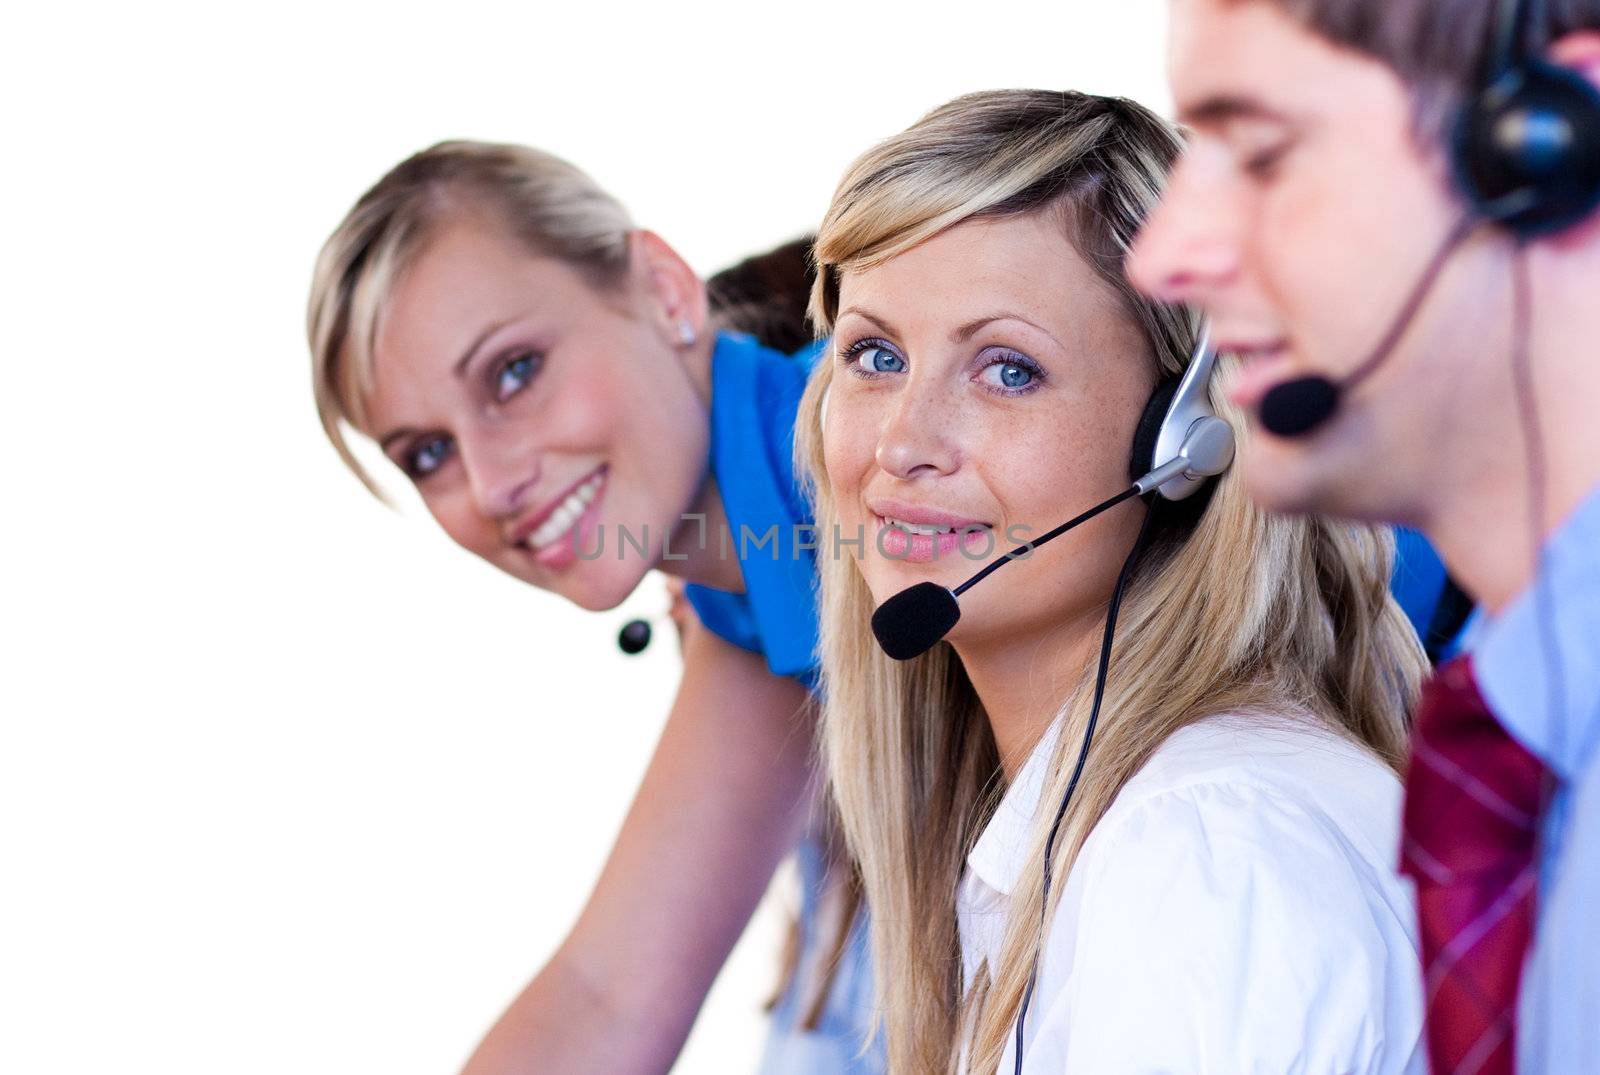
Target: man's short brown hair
{"type": "Point", "coordinates": [1438, 47]}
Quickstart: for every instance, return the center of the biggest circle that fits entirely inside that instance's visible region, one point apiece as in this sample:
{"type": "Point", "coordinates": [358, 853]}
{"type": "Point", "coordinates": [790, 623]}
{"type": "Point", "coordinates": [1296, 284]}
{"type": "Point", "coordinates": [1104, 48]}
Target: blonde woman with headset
{"type": "Point", "coordinates": [1223, 896]}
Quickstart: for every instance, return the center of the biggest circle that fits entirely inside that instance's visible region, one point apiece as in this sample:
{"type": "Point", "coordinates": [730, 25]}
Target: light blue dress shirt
{"type": "Point", "coordinates": [1538, 666]}
{"type": "Point", "coordinates": [755, 395]}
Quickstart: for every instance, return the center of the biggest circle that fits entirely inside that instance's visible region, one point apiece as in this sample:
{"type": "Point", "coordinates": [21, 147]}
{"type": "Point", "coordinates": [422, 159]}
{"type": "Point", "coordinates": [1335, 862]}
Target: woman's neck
{"type": "Point", "coordinates": [700, 548]}
{"type": "Point", "coordinates": [1022, 681]}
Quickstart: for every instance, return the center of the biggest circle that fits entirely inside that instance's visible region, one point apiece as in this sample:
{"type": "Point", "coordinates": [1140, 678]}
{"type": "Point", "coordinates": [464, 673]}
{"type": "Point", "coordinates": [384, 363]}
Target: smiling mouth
{"type": "Point", "coordinates": [566, 514]}
{"type": "Point", "coordinates": [924, 530]}
{"type": "Point", "coordinates": [921, 543]}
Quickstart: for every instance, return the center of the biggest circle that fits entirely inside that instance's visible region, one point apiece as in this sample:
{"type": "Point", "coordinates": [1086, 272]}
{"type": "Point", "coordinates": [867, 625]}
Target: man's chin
{"type": "Point", "coordinates": [1288, 480]}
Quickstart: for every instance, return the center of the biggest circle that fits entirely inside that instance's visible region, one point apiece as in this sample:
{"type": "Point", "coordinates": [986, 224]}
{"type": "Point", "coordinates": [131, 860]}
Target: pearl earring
{"type": "Point", "coordinates": [686, 334]}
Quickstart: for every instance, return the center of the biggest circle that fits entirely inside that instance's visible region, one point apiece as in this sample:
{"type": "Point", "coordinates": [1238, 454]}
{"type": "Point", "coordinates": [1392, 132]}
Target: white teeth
{"type": "Point", "coordinates": [924, 531]}
{"type": "Point", "coordinates": [567, 513]}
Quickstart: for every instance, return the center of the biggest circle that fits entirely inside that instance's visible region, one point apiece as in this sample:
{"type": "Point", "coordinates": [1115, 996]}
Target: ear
{"type": "Point", "coordinates": [675, 294]}
{"type": "Point", "coordinates": [1580, 51]}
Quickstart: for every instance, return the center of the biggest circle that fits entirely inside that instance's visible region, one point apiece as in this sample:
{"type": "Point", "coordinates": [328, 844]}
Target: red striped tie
{"type": "Point", "coordinates": [1473, 797]}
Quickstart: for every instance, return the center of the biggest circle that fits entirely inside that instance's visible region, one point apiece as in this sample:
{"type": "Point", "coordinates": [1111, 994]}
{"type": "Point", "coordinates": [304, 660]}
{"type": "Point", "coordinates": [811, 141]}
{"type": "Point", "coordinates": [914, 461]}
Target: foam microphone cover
{"type": "Point", "coordinates": [634, 637]}
{"type": "Point", "coordinates": [909, 623]}
{"type": "Point", "coordinates": [1295, 408]}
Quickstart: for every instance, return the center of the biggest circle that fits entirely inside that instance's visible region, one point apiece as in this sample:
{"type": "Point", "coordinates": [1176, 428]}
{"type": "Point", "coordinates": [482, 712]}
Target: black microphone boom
{"type": "Point", "coordinates": [909, 623]}
{"type": "Point", "coordinates": [1296, 408]}
{"type": "Point", "coordinates": [913, 620]}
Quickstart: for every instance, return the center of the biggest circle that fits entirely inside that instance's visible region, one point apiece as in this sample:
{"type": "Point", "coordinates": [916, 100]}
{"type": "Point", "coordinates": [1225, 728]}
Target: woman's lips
{"type": "Point", "coordinates": [975, 541]}
{"type": "Point", "coordinates": [563, 552]}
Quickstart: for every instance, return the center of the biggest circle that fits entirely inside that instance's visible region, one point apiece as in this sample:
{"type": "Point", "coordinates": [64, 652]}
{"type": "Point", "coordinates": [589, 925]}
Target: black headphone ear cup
{"type": "Point", "coordinates": [1536, 128]}
{"type": "Point", "coordinates": [1142, 461]}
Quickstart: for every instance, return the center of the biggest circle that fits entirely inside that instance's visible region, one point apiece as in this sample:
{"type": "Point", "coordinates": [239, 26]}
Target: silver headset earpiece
{"type": "Point", "coordinates": [1192, 431]}
{"type": "Point", "coordinates": [822, 411]}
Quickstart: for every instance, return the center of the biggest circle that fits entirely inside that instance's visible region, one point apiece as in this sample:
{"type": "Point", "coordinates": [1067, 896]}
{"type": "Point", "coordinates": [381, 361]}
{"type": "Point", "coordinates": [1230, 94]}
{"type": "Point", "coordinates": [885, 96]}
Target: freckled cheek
{"type": "Point", "coordinates": [1061, 473]}
{"type": "Point", "coordinates": [848, 449]}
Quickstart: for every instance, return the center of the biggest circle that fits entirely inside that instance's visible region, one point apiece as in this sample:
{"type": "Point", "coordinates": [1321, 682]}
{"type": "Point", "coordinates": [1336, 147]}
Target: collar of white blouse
{"type": "Point", "coordinates": [997, 859]}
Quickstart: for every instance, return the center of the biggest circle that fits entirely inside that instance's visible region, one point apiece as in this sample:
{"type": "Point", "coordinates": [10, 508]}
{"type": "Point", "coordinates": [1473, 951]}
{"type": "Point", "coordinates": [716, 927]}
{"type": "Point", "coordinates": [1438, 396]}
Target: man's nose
{"type": "Point", "coordinates": [1188, 249]}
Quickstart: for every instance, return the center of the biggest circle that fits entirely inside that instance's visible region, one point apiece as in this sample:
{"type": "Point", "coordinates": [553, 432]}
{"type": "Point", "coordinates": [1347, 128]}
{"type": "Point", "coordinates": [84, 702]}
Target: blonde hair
{"type": "Point", "coordinates": [1236, 611]}
{"type": "Point", "coordinates": [547, 203]}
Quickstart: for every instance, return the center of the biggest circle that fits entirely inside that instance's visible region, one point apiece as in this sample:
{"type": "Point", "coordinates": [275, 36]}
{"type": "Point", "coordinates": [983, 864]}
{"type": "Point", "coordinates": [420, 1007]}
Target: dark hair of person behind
{"type": "Point", "coordinates": [765, 295]}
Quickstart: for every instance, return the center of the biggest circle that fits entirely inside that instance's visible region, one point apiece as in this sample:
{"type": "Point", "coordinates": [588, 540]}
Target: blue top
{"type": "Point", "coordinates": [755, 395]}
{"type": "Point", "coordinates": [1418, 578]}
{"type": "Point", "coordinates": [1419, 584]}
{"type": "Point", "coordinates": [1538, 666]}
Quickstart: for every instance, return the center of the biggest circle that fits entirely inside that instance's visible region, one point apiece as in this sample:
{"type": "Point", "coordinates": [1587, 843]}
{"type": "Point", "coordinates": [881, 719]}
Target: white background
{"type": "Point", "coordinates": [288, 784]}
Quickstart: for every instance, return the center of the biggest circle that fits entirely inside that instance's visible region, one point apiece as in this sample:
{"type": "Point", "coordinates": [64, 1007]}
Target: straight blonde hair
{"type": "Point", "coordinates": [1236, 611]}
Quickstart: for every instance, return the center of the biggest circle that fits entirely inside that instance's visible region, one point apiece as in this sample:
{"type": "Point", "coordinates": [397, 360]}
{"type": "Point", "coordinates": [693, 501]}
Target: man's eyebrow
{"type": "Point", "coordinates": [1222, 108]}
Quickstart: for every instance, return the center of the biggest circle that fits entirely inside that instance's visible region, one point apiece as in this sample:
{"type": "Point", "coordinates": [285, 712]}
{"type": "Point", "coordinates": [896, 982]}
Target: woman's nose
{"type": "Point", "coordinates": [502, 471]}
{"type": "Point", "coordinates": [918, 434]}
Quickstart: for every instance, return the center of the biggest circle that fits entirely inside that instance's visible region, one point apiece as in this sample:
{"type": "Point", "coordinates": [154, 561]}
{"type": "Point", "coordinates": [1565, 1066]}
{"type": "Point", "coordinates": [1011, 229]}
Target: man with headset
{"type": "Point", "coordinates": [1388, 208]}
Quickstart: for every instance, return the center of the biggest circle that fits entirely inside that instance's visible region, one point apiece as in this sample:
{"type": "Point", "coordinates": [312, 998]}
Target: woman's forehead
{"type": "Point", "coordinates": [1021, 264]}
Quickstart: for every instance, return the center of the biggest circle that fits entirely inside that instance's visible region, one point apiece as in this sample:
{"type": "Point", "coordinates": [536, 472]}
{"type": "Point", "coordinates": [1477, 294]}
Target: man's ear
{"type": "Point", "coordinates": [1580, 51]}
{"type": "Point", "coordinates": [675, 294]}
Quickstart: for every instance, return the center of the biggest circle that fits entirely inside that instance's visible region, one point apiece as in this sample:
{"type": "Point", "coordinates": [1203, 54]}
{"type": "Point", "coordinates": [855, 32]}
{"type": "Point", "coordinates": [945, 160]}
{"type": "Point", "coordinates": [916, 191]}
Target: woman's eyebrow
{"type": "Point", "coordinates": [882, 324]}
{"type": "Point", "coordinates": [467, 355]}
{"type": "Point", "coordinates": [966, 332]}
{"type": "Point", "coordinates": [390, 437]}
{"type": "Point", "coordinates": [959, 335]}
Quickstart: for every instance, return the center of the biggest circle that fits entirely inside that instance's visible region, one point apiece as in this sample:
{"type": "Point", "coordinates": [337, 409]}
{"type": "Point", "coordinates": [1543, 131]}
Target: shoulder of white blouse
{"type": "Point", "coordinates": [1230, 922]}
{"type": "Point", "coordinates": [1232, 854]}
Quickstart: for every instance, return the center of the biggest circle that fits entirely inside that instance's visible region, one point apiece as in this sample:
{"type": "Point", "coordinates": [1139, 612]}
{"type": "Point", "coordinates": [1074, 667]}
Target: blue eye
{"type": "Point", "coordinates": [1012, 373]}
{"type": "Point", "coordinates": [427, 456]}
{"type": "Point", "coordinates": [515, 374]}
{"type": "Point", "coordinates": [1014, 376]}
{"type": "Point", "coordinates": [871, 358]}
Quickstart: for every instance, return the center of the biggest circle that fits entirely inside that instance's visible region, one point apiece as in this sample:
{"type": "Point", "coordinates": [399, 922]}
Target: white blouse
{"type": "Point", "coordinates": [1236, 911]}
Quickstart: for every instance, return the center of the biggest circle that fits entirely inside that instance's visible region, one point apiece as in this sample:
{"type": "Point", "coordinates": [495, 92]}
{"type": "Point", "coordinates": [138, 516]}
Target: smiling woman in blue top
{"type": "Point", "coordinates": [552, 380]}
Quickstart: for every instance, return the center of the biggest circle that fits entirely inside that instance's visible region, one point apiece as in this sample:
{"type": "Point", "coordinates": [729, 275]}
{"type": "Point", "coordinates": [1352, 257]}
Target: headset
{"type": "Point", "coordinates": [1178, 427]}
{"type": "Point", "coordinates": [1532, 130]}
{"type": "Point", "coordinates": [1179, 446]}
{"type": "Point", "coordinates": [1525, 155]}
